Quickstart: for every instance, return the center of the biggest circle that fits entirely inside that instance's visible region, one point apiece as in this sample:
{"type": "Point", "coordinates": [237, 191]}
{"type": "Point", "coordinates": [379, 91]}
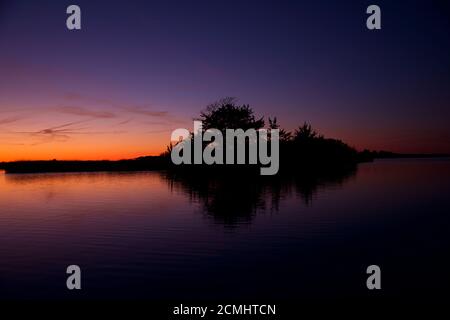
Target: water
{"type": "Point", "coordinates": [156, 236]}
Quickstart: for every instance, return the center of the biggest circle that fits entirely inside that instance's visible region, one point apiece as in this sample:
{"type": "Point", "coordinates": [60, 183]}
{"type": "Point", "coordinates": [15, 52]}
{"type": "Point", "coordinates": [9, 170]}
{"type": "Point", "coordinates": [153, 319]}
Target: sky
{"type": "Point", "coordinates": [139, 69]}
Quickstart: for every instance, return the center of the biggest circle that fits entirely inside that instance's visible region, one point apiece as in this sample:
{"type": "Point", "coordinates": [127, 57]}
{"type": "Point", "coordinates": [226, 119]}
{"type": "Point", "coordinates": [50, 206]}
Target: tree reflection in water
{"type": "Point", "coordinates": [233, 197]}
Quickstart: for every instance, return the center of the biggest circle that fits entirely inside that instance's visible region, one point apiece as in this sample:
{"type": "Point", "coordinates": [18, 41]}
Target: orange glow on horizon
{"type": "Point", "coordinates": [84, 133]}
{"type": "Point", "coordinates": [81, 153]}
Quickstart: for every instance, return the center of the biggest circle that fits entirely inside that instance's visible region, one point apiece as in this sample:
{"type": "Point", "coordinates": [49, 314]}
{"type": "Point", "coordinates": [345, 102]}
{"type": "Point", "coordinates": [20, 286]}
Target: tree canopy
{"type": "Point", "coordinates": [227, 114]}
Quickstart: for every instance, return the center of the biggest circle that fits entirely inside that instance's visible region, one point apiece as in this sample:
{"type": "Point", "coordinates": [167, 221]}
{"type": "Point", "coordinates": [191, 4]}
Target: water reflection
{"type": "Point", "coordinates": [156, 235]}
{"type": "Point", "coordinates": [233, 199]}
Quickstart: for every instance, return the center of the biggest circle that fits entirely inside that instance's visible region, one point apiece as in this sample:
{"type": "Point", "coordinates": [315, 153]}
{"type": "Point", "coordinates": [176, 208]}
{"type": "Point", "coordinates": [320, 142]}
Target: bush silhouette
{"type": "Point", "coordinates": [299, 150]}
{"type": "Point", "coordinates": [227, 114]}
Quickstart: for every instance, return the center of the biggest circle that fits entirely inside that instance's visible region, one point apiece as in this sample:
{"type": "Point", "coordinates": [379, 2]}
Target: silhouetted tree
{"type": "Point", "coordinates": [169, 148]}
{"type": "Point", "coordinates": [303, 149]}
{"type": "Point", "coordinates": [227, 114]}
{"type": "Point", "coordinates": [306, 132]}
{"type": "Point", "coordinates": [285, 136]}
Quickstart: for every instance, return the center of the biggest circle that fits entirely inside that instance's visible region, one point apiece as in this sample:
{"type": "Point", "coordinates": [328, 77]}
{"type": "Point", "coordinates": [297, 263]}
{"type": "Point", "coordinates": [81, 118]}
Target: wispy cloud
{"type": "Point", "coordinates": [120, 109]}
{"type": "Point", "coordinates": [61, 133]}
{"type": "Point", "coordinates": [9, 120]}
{"type": "Point", "coordinates": [80, 111]}
{"type": "Point", "coordinates": [146, 111]}
{"type": "Point", "coordinates": [121, 123]}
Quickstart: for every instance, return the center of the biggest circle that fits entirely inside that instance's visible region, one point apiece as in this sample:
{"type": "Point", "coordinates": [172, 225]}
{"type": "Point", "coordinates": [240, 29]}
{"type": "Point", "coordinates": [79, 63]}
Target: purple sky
{"type": "Point", "coordinates": [139, 69]}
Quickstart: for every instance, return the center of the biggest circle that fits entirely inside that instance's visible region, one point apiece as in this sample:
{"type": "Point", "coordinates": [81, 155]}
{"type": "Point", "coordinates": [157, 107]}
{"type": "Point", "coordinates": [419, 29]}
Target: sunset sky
{"type": "Point", "coordinates": [139, 69]}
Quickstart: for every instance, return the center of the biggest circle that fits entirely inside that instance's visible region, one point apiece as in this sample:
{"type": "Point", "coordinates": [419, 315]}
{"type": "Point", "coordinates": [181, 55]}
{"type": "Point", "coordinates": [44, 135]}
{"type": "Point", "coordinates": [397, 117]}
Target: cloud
{"type": "Point", "coordinates": [124, 122]}
{"type": "Point", "coordinates": [58, 133]}
{"type": "Point", "coordinates": [161, 117]}
{"type": "Point", "coordinates": [9, 120]}
{"type": "Point", "coordinates": [118, 107]}
{"type": "Point", "coordinates": [80, 111]}
{"type": "Point", "coordinates": [147, 112]}
{"type": "Point", "coordinates": [159, 131]}
{"type": "Point", "coordinates": [62, 133]}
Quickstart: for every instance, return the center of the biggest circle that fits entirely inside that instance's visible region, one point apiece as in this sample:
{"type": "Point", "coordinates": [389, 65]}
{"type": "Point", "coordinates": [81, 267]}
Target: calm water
{"type": "Point", "coordinates": [151, 235]}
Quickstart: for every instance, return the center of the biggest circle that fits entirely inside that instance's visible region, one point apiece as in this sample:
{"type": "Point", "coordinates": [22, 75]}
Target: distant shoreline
{"type": "Point", "coordinates": [51, 166]}
{"type": "Point", "coordinates": [150, 163]}
{"type": "Point", "coordinates": [412, 156]}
